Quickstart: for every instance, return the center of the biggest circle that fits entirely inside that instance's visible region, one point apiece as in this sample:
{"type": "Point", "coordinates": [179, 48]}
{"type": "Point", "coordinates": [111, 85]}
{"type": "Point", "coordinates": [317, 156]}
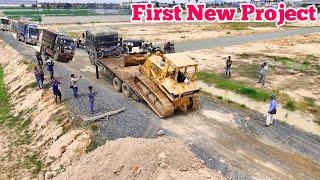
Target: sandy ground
{"type": "Point", "coordinates": [129, 158]}
{"type": "Point", "coordinates": [298, 85]}
{"type": "Point", "coordinates": [160, 33]}
{"type": "Point", "coordinates": [299, 47]}
{"type": "Point", "coordinates": [62, 147]}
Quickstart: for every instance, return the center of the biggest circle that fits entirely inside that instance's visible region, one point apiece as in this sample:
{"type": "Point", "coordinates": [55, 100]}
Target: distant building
{"type": "Point", "coordinates": [310, 2]}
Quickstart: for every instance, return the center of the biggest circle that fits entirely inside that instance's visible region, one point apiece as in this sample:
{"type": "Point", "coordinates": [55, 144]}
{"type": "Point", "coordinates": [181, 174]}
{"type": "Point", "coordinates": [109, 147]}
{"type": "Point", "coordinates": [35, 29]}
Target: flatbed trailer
{"type": "Point", "coordinates": [130, 81]}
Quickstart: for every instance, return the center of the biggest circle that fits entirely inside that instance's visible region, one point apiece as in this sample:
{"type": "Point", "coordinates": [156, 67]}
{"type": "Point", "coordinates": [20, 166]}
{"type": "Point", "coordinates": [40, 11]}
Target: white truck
{"type": "Point", "coordinates": [5, 24]}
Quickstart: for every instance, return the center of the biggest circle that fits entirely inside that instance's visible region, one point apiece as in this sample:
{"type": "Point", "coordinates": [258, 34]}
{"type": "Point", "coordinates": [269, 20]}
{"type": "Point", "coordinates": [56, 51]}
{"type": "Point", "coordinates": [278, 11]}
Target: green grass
{"type": "Point", "coordinates": [290, 105]}
{"type": "Point", "coordinates": [235, 86]}
{"type": "Point", "coordinates": [33, 163]}
{"type": "Point", "coordinates": [291, 63]}
{"type": "Point", "coordinates": [249, 70]}
{"type": "Point", "coordinates": [33, 14]}
{"type": "Point", "coordinates": [5, 116]}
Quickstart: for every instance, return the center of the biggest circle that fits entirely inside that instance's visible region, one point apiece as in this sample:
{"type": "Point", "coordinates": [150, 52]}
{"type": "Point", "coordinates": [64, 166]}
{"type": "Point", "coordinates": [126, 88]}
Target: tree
{"type": "Point", "coordinates": [22, 6]}
{"type": "Point", "coordinates": [156, 4]}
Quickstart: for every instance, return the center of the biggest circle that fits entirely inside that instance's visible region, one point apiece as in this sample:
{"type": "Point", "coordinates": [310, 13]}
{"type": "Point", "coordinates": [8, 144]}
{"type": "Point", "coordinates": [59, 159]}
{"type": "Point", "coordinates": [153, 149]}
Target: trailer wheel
{"type": "Point", "coordinates": [117, 84]}
{"type": "Point", "coordinates": [126, 90]}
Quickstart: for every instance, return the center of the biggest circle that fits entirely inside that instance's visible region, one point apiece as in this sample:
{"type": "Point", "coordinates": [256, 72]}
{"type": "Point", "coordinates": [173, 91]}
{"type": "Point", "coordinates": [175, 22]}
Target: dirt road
{"type": "Point", "coordinates": [230, 140]}
{"type": "Point", "coordinates": [244, 39]}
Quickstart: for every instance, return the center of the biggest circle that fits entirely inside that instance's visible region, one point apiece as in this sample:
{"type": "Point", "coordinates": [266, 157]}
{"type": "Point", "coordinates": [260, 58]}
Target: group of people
{"type": "Point", "coordinates": [39, 75]}
{"type": "Point", "coordinates": [262, 79]}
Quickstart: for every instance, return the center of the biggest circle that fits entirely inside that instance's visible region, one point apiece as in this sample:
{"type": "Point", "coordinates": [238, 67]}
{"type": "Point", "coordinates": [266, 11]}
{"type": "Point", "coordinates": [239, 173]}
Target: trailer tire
{"type": "Point", "coordinates": [117, 84]}
{"type": "Point", "coordinates": [126, 90]}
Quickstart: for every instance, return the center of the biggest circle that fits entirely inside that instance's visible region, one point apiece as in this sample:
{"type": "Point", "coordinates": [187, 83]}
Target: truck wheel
{"type": "Point", "coordinates": [117, 84]}
{"type": "Point", "coordinates": [56, 56]}
{"type": "Point", "coordinates": [126, 90]}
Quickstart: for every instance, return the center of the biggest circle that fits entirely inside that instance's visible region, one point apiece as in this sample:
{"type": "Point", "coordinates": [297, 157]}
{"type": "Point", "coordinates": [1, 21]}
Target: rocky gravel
{"type": "Point", "coordinates": [135, 121]}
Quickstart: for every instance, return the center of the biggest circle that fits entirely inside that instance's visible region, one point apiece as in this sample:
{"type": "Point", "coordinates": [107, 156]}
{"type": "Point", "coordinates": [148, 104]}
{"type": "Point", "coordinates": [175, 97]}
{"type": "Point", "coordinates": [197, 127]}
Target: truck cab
{"type": "Point", "coordinates": [27, 32]}
{"type": "Point", "coordinates": [5, 23]}
{"type": "Point", "coordinates": [57, 46]}
{"type": "Point", "coordinates": [102, 43]}
{"type": "Point", "coordinates": [64, 48]}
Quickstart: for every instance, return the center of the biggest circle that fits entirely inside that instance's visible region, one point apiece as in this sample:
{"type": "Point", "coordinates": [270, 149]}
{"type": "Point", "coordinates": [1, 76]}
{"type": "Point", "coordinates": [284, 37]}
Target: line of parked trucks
{"type": "Point", "coordinates": [161, 78]}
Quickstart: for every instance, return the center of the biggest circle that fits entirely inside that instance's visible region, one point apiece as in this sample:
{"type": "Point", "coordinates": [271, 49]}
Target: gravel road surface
{"type": "Point", "coordinates": [226, 139]}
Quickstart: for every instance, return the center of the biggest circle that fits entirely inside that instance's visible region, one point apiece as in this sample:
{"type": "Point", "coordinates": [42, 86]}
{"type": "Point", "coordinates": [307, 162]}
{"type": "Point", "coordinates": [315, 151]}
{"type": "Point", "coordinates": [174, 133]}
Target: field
{"type": "Point", "coordinates": [293, 77]}
{"type": "Point", "coordinates": [35, 15]}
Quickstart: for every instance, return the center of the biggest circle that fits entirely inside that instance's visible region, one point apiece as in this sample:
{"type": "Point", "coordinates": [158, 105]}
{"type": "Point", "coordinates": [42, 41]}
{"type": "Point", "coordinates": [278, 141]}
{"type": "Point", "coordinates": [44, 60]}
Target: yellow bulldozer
{"type": "Point", "coordinates": [166, 82]}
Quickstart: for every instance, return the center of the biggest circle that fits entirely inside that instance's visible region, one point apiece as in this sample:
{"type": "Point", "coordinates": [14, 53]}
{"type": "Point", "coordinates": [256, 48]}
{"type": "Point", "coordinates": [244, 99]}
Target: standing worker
{"type": "Point", "coordinates": [228, 66]}
{"type": "Point", "coordinates": [39, 58]}
{"type": "Point", "coordinates": [91, 96]}
{"type": "Point", "coordinates": [41, 71]}
{"type": "Point", "coordinates": [73, 85]}
{"type": "Point", "coordinates": [38, 78]}
{"type": "Point", "coordinates": [272, 111]}
{"type": "Point", "coordinates": [50, 67]}
{"type": "Point", "coordinates": [55, 89]}
{"type": "Point", "coordinates": [263, 73]}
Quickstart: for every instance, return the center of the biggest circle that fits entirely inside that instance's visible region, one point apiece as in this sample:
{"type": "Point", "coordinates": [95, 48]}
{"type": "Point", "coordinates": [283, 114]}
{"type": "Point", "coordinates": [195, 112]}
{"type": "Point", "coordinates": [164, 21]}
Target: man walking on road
{"type": "Point", "coordinates": [263, 73]}
{"type": "Point", "coordinates": [91, 96]}
{"type": "Point", "coordinates": [271, 111]}
{"type": "Point", "coordinates": [228, 66]}
{"type": "Point", "coordinates": [55, 89]}
{"type": "Point", "coordinates": [38, 78]}
{"type": "Point", "coordinates": [73, 85]}
{"type": "Point", "coordinates": [50, 67]}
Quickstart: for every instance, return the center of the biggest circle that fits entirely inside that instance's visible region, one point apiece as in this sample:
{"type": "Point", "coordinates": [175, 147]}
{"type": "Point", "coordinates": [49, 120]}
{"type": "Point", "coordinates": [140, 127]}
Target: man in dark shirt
{"type": "Point", "coordinates": [228, 66]}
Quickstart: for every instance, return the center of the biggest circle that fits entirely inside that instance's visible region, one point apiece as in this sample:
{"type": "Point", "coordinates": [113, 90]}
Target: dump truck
{"type": "Point", "coordinates": [5, 24]}
{"type": "Point", "coordinates": [166, 82]}
{"type": "Point", "coordinates": [57, 46]}
{"type": "Point", "coordinates": [27, 32]}
{"type": "Point", "coordinates": [102, 43]}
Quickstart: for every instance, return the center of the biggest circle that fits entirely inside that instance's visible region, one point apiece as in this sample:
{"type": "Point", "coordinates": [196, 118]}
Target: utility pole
{"type": "Point", "coordinates": [38, 11]}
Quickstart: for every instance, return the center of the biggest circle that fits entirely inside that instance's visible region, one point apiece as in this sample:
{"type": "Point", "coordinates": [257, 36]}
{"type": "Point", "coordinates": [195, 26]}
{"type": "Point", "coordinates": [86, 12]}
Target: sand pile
{"type": "Point", "coordinates": [130, 158]}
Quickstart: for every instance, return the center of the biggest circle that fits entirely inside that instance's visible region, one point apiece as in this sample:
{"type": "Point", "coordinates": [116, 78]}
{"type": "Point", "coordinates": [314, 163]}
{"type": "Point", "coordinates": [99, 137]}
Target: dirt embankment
{"type": "Point", "coordinates": [40, 139]}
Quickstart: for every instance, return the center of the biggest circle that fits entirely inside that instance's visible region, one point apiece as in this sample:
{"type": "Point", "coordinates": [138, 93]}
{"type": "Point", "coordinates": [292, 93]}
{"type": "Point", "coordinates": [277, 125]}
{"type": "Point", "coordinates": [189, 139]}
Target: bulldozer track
{"type": "Point", "coordinates": [155, 98]}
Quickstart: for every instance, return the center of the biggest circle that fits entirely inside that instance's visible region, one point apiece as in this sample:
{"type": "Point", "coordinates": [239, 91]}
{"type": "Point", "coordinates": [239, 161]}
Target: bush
{"type": "Point", "coordinates": [290, 106]}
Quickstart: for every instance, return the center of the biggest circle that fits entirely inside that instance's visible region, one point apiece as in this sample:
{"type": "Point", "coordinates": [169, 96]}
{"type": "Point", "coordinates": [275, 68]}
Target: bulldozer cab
{"type": "Point", "coordinates": [180, 68]}
{"type": "Point", "coordinates": [175, 73]}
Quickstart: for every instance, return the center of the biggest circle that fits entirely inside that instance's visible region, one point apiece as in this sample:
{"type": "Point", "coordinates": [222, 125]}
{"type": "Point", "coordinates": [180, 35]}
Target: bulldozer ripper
{"type": "Point", "coordinates": [145, 12]}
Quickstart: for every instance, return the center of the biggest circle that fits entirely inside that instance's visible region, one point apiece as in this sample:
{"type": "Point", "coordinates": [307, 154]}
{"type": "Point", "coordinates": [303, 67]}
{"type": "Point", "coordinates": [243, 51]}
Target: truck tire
{"type": "Point", "coordinates": [126, 90]}
{"type": "Point", "coordinates": [117, 84]}
{"type": "Point", "coordinates": [56, 56]}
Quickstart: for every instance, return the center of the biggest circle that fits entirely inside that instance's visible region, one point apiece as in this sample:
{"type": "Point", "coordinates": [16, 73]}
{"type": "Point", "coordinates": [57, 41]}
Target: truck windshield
{"type": "Point", "coordinates": [112, 39]}
{"type": "Point", "coordinates": [34, 31]}
{"type": "Point", "coordinates": [67, 43]}
{"type": "Point", "coordinates": [5, 21]}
